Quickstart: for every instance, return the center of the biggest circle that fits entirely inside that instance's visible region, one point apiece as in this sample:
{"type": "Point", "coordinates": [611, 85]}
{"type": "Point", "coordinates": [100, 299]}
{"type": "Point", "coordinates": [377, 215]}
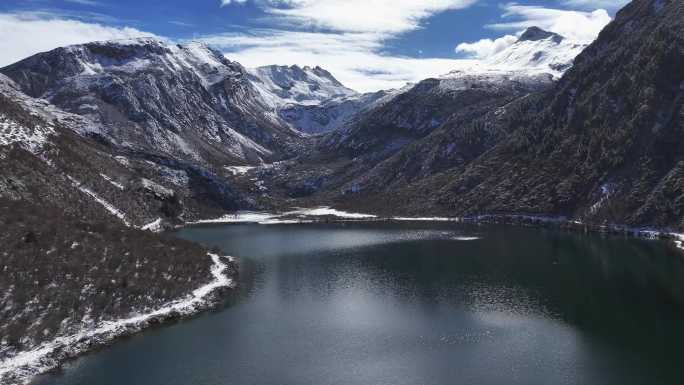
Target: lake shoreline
{"type": "Point", "coordinates": [22, 367]}
{"type": "Point", "coordinates": [52, 361]}
{"type": "Point", "coordinates": [301, 216]}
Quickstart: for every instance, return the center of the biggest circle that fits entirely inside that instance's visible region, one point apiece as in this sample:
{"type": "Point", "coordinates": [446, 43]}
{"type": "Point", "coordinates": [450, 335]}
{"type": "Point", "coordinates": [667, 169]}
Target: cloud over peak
{"type": "Point", "coordinates": [579, 26]}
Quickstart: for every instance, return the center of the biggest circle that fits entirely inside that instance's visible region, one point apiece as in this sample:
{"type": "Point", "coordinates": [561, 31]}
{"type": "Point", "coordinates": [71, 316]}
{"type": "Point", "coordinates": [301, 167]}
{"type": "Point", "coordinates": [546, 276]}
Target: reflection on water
{"type": "Point", "coordinates": [418, 304]}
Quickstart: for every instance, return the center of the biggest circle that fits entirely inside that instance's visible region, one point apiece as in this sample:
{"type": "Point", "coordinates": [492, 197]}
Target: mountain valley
{"type": "Point", "coordinates": [107, 145]}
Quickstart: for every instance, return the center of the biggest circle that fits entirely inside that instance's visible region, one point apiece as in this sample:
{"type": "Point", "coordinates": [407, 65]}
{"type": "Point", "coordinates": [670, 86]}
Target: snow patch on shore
{"type": "Point", "coordinates": [679, 240]}
{"type": "Point", "coordinates": [303, 215]}
{"type": "Point", "coordinates": [425, 219]}
{"type": "Point", "coordinates": [465, 239]}
{"type": "Point", "coordinates": [327, 211]}
{"type": "Point", "coordinates": [239, 217]}
{"type": "Point", "coordinates": [155, 227]}
{"type": "Point", "coordinates": [23, 366]}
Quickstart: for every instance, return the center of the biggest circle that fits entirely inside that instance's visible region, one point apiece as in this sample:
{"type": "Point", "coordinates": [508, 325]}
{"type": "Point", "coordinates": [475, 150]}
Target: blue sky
{"type": "Point", "coordinates": [368, 44]}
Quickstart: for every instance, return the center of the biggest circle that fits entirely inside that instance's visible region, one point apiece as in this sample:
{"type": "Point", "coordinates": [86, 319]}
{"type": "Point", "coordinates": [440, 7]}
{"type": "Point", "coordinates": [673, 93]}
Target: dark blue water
{"type": "Point", "coordinates": [418, 304]}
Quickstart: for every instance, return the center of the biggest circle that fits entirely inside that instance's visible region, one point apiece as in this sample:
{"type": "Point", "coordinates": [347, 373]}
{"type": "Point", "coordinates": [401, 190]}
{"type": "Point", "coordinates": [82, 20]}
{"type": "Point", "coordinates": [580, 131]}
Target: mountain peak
{"type": "Point", "coordinates": [537, 34]}
{"type": "Point", "coordinates": [298, 85]}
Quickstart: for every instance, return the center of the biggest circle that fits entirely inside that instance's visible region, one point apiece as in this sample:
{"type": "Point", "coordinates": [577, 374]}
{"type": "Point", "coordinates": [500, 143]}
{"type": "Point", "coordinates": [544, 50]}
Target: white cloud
{"type": "Point", "coordinates": [229, 2]}
{"type": "Point", "coordinates": [352, 57]}
{"type": "Point", "coordinates": [26, 34]}
{"type": "Point", "coordinates": [378, 16]}
{"type": "Point", "coordinates": [591, 5]}
{"type": "Point", "coordinates": [575, 25]}
{"type": "Point", "coordinates": [90, 3]}
{"type": "Point", "coordinates": [486, 47]}
{"type": "Point", "coordinates": [345, 37]}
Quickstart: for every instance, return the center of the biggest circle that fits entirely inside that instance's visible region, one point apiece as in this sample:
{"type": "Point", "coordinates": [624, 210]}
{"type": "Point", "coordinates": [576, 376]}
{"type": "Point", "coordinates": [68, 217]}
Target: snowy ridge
{"type": "Point", "coordinates": [108, 206]}
{"type": "Point", "coordinates": [538, 51]}
{"type": "Point", "coordinates": [21, 367]}
{"type": "Point", "coordinates": [208, 65]}
{"type": "Point", "coordinates": [113, 182]}
{"type": "Point", "coordinates": [282, 85]}
{"type": "Point", "coordinates": [311, 100]}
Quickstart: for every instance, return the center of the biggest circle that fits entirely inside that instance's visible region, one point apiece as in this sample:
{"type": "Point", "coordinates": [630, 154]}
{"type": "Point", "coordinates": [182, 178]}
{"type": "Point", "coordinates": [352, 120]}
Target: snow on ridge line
{"type": "Point", "coordinates": [108, 206]}
{"type": "Point", "coordinates": [113, 182]}
{"type": "Point", "coordinates": [21, 367]}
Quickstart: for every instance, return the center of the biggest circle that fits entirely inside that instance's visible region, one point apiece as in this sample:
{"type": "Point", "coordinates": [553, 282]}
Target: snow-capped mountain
{"type": "Point", "coordinates": [188, 101]}
{"type": "Point", "coordinates": [282, 85]}
{"type": "Point", "coordinates": [538, 51]}
{"type": "Point", "coordinates": [311, 100]}
{"type": "Point", "coordinates": [446, 121]}
{"type": "Point", "coordinates": [602, 144]}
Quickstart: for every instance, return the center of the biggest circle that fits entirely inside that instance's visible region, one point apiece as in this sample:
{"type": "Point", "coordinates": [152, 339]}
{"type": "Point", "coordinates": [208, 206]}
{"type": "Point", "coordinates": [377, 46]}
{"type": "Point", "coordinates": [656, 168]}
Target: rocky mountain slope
{"type": "Point", "coordinates": [601, 145]}
{"type": "Point", "coordinates": [73, 253]}
{"type": "Point", "coordinates": [101, 141]}
{"type": "Point", "coordinates": [526, 67]}
{"type": "Point", "coordinates": [184, 101]}
{"type": "Point", "coordinates": [46, 158]}
{"type": "Point", "coordinates": [429, 127]}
